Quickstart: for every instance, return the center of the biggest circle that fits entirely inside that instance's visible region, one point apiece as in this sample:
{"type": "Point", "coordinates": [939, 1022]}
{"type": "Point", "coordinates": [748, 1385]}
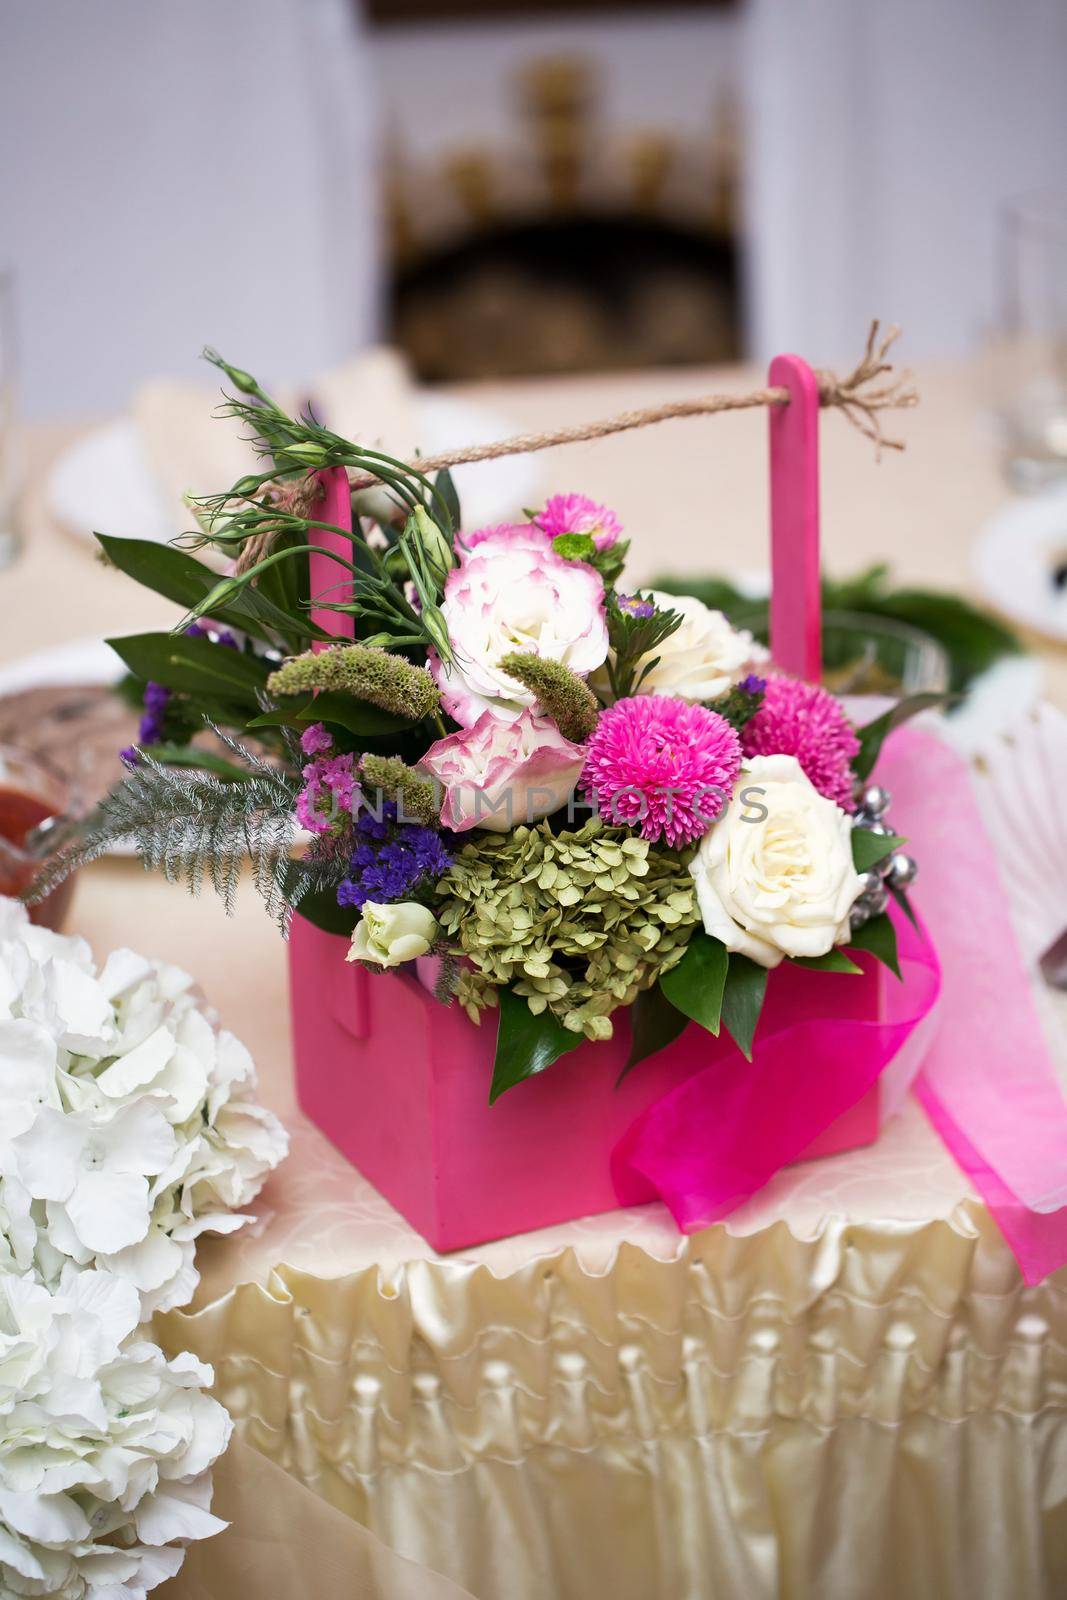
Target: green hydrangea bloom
{"type": "Point", "coordinates": [579, 922]}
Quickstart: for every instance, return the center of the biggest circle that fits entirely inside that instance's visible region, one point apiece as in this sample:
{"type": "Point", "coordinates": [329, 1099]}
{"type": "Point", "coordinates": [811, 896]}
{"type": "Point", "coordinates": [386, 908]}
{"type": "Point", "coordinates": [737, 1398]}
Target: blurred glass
{"type": "Point", "coordinates": [38, 805]}
{"type": "Point", "coordinates": [877, 655]}
{"type": "Point", "coordinates": [9, 540]}
{"type": "Point", "coordinates": [1029, 347]}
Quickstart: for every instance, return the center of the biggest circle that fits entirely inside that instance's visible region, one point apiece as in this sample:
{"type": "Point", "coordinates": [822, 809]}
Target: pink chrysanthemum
{"type": "Point", "coordinates": [662, 766]}
{"type": "Point", "coordinates": [803, 720]}
{"type": "Point", "coordinates": [576, 513]}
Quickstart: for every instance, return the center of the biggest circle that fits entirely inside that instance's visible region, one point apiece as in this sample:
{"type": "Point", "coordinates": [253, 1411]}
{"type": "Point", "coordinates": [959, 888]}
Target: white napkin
{"type": "Point", "coordinates": [192, 451]}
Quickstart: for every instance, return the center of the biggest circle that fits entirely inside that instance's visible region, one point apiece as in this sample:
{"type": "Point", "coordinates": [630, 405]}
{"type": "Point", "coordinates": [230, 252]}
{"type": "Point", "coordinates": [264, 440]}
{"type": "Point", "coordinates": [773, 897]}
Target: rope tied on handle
{"type": "Point", "coordinates": [859, 396]}
{"type": "Point", "coordinates": [853, 395]}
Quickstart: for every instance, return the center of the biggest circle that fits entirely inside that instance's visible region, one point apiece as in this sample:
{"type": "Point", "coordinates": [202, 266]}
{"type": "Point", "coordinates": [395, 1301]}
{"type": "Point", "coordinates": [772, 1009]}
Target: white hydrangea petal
{"type": "Point", "coordinates": [17, 1555]}
{"type": "Point", "coordinates": [47, 1155]}
{"type": "Point", "coordinates": [109, 1210]}
{"type": "Point", "coordinates": [149, 1263]}
{"type": "Point", "coordinates": [138, 1139]}
{"type": "Point", "coordinates": [139, 1066]}
{"type": "Point", "coordinates": [48, 1518]}
{"type": "Point", "coordinates": [122, 969]}
{"type": "Point", "coordinates": [27, 1073]}
{"type": "Point", "coordinates": [113, 1302]}
{"type": "Point", "coordinates": [176, 1512]}
{"type": "Point", "coordinates": [85, 1011]}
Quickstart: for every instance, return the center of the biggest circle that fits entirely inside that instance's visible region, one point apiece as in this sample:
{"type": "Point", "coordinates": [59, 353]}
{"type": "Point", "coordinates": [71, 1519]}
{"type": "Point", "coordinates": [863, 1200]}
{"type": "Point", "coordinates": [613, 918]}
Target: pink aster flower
{"type": "Point", "coordinates": [804, 720]}
{"type": "Point", "coordinates": [662, 766]}
{"type": "Point", "coordinates": [576, 513]}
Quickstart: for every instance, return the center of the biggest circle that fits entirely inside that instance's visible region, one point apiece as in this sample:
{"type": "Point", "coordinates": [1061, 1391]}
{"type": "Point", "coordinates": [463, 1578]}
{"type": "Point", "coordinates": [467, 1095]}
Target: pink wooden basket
{"type": "Point", "coordinates": [400, 1083]}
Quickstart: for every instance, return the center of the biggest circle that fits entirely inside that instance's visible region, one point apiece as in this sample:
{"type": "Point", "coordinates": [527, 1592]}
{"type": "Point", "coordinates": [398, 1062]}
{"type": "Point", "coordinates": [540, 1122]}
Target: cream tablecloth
{"type": "Point", "coordinates": [845, 1391]}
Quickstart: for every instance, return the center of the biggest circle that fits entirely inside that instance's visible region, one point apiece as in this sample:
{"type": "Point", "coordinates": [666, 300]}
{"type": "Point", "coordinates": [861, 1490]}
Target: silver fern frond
{"type": "Point", "coordinates": [190, 824]}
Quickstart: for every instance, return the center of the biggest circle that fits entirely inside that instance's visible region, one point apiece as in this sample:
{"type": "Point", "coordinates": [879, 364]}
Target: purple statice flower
{"type": "Point", "coordinates": [391, 861]}
{"type": "Point", "coordinates": [753, 684]}
{"type": "Point", "coordinates": [202, 630]}
{"type": "Point", "coordinates": [156, 698]}
{"type": "Point", "coordinates": [632, 605]}
{"type": "Point", "coordinates": [315, 741]}
{"type": "Point", "coordinates": [330, 788]}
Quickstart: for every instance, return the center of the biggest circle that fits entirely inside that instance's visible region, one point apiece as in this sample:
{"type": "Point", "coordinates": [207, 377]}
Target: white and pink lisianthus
{"type": "Point", "coordinates": [512, 592]}
{"type": "Point", "coordinates": [500, 773]}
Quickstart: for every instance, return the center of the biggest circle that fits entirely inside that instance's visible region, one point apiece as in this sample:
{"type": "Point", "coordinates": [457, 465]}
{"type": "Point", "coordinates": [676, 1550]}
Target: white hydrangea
{"type": "Point", "coordinates": [126, 1114]}
{"type": "Point", "coordinates": [128, 1127]}
{"type": "Point", "coordinates": [105, 1445]}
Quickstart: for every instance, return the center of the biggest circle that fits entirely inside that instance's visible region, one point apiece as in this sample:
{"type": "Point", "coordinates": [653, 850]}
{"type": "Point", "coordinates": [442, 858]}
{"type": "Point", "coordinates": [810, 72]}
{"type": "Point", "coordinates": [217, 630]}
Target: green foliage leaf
{"type": "Point", "coordinates": [445, 487]}
{"type": "Point", "coordinates": [526, 1044]}
{"type": "Point", "coordinates": [654, 1024]}
{"type": "Point", "coordinates": [695, 986]}
{"type": "Point", "coordinates": [879, 937]}
{"type": "Point", "coordinates": [189, 756]}
{"type": "Point", "coordinates": [832, 961]}
{"type": "Point", "coordinates": [869, 848]}
{"type": "Point", "coordinates": [194, 666]}
{"type": "Point", "coordinates": [902, 900]}
{"type": "Point", "coordinates": [873, 735]}
{"type": "Point", "coordinates": [179, 577]}
{"type": "Point", "coordinates": [358, 716]}
{"type": "Point", "coordinates": [742, 1001]}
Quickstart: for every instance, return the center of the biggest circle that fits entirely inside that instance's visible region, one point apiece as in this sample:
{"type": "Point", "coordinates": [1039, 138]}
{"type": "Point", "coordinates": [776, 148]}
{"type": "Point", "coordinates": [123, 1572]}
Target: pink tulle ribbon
{"type": "Point", "coordinates": [986, 1082]}
{"type": "Point", "coordinates": [715, 1139]}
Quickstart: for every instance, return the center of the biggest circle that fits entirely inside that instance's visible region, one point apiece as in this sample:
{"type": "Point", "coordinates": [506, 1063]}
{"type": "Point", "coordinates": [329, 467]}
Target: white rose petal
{"type": "Point", "coordinates": [389, 935]}
{"type": "Point", "coordinates": [703, 658]}
{"type": "Point", "coordinates": [783, 883]}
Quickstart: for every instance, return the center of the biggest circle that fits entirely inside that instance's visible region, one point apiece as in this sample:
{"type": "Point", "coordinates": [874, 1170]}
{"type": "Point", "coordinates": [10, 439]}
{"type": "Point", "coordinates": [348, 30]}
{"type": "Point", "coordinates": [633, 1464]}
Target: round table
{"type": "Point", "coordinates": [845, 1389]}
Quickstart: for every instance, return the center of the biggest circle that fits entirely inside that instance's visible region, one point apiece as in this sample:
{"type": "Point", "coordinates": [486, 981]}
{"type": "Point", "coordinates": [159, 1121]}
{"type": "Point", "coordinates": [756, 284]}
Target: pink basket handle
{"type": "Point", "coordinates": [796, 599]}
{"type": "Point", "coordinates": [326, 579]}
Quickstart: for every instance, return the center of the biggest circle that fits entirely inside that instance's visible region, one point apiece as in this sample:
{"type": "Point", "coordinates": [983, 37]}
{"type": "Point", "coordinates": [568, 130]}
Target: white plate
{"type": "Point", "coordinates": [1015, 555]}
{"type": "Point", "coordinates": [104, 483]}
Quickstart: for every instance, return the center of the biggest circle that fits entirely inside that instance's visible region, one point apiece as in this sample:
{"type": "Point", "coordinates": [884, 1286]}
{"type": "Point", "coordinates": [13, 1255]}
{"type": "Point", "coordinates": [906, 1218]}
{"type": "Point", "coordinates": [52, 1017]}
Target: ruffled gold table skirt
{"type": "Point", "coordinates": [876, 1409]}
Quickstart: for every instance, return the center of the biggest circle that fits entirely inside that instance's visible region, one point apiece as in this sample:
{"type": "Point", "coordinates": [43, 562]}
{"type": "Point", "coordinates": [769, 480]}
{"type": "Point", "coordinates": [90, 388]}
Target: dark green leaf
{"type": "Point", "coordinates": [188, 755]}
{"type": "Point", "coordinates": [832, 961]}
{"type": "Point", "coordinates": [874, 734]}
{"type": "Point", "coordinates": [320, 908]}
{"type": "Point", "coordinates": [654, 1024]}
{"type": "Point", "coordinates": [445, 487]}
{"type": "Point", "coordinates": [179, 577]}
{"type": "Point", "coordinates": [902, 900]}
{"type": "Point", "coordinates": [358, 716]}
{"type": "Point", "coordinates": [525, 1044]}
{"type": "Point", "coordinates": [869, 848]}
{"type": "Point", "coordinates": [879, 937]}
{"type": "Point", "coordinates": [696, 984]}
{"type": "Point", "coordinates": [742, 1001]}
{"type": "Point", "coordinates": [194, 666]}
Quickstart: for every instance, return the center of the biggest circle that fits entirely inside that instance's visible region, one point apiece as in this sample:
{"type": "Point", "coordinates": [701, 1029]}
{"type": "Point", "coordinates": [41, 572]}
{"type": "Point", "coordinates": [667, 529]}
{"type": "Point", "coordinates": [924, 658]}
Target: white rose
{"type": "Point", "coordinates": [391, 935]}
{"type": "Point", "coordinates": [781, 884]}
{"type": "Point", "coordinates": [704, 657]}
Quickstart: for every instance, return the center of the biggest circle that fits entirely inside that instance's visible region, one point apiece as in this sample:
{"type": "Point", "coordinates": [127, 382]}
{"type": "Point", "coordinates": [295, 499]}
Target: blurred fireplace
{"type": "Point", "coordinates": [564, 240]}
